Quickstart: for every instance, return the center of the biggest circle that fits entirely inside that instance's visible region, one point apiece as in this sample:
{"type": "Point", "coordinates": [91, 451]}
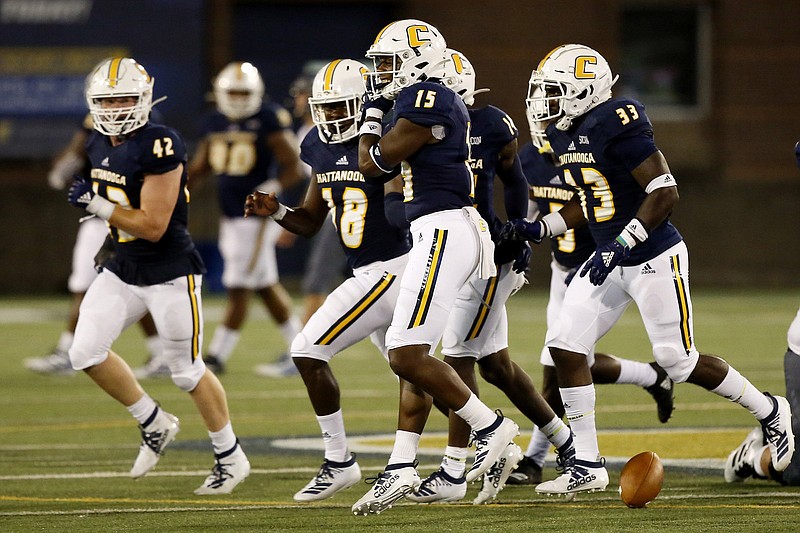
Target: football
{"type": "Point", "coordinates": [641, 479]}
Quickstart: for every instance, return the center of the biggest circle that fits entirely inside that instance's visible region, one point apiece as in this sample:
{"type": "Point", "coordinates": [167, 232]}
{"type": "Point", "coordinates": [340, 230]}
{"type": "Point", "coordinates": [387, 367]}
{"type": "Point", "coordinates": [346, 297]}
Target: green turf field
{"type": "Point", "coordinates": [66, 448]}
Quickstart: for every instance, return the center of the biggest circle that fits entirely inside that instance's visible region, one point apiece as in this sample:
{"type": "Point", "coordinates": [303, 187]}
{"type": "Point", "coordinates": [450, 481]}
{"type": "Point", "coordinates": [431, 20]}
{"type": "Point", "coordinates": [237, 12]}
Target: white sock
{"type": "Point", "coordinates": [223, 342]}
{"type": "Point", "coordinates": [65, 341]}
{"type": "Point", "coordinates": [476, 413]}
{"type": "Point", "coordinates": [142, 409]}
{"type": "Point", "coordinates": [538, 447]}
{"type": "Point", "coordinates": [738, 389]}
{"type": "Point", "coordinates": [556, 432]}
{"type": "Point", "coordinates": [405, 448]}
{"type": "Point", "coordinates": [334, 437]}
{"type": "Point", "coordinates": [290, 329]}
{"type": "Point", "coordinates": [154, 346]}
{"type": "Point", "coordinates": [636, 373]}
{"type": "Point", "coordinates": [579, 406]}
{"type": "Point", "coordinates": [454, 462]}
{"type": "Point", "coordinates": [224, 439]}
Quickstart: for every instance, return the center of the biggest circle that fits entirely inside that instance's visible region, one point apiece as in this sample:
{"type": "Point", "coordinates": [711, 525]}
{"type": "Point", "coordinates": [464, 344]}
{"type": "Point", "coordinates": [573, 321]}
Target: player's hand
{"type": "Point", "coordinates": [604, 260]}
{"type": "Point", "coordinates": [260, 204]}
{"type": "Point", "coordinates": [520, 229]}
{"type": "Point", "coordinates": [80, 193]}
{"type": "Point", "coordinates": [523, 259]}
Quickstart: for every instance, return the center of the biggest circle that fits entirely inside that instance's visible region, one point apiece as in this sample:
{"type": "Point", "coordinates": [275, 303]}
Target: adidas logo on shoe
{"type": "Point", "coordinates": [647, 269]}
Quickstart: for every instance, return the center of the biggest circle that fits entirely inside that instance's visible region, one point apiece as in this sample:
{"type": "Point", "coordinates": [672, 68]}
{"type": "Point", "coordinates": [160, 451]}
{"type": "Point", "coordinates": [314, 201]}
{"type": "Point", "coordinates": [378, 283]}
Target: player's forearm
{"type": "Point", "coordinates": [139, 223]}
{"type": "Point", "coordinates": [301, 222]}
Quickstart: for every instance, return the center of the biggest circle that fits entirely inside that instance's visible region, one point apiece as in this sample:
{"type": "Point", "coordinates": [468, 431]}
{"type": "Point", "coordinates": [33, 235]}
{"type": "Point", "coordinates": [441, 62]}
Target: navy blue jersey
{"type": "Point", "coordinates": [439, 176]}
{"type": "Point", "coordinates": [550, 193]}
{"type": "Point", "coordinates": [490, 131]}
{"type": "Point", "coordinates": [118, 174]}
{"type": "Point", "coordinates": [597, 155]}
{"type": "Point", "coordinates": [356, 203]}
{"type": "Point", "coordinates": [239, 155]}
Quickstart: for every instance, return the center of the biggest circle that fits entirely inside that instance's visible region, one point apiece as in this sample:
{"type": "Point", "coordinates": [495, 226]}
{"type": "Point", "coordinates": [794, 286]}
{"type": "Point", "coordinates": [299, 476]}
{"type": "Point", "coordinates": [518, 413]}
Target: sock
{"type": "Point", "coordinates": [65, 341]}
{"type": "Point", "coordinates": [334, 437]}
{"type": "Point", "coordinates": [454, 462]}
{"type": "Point", "coordinates": [579, 407]}
{"type": "Point", "coordinates": [556, 432]}
{"type": "Point", "coordinates": [405, 448]}
{"type": "Point", "coordinates": [290, 329]}
{"type": "Point", "coordinates": [223, 440]}
{"type": "Point", "coordinates": [154, 346]}
{"type": "Point", "coordinates": [476, 414]}
{"type": "Point", "coordinates": [738, 389]}
{"type": "Point", "coordinates": [636, 373]}
{"type": "Point", "coordinates": [223, 342]}
{"type": "Point", "coordinates": [538, 447]}
{"type": "Point", "coordinates": [142, 409]}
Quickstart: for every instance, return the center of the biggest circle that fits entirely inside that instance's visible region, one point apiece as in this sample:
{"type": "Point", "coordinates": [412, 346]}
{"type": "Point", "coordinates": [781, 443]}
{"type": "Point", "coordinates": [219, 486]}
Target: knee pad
{"type": "Point", "coordinates": [82, 357]}
{"type": "Point", "coordinates": [675, 361]}
{"type": "Point", "coordinates": [302, 347]}
{"type": "Point", "coordinates": [186, 374]}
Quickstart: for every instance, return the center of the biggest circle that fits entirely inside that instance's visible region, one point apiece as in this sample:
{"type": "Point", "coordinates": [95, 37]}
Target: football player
{"type": "Point", "coordinates": [549, 193]}
{"type": "Point", "coordinates": [478, 327]}
{"type": "Point", "coordinates": [376, 249]}
{"type": "Point", "coordinates": [92, 232]}
{"type": "Point", "coordinates": [241, 141]}
{"type": "Point", "coordinates": [137, 184]}
{"type": "Point", "coordinates": [430, 135]}
{"type": "Point", "coordinates": [625, 190]}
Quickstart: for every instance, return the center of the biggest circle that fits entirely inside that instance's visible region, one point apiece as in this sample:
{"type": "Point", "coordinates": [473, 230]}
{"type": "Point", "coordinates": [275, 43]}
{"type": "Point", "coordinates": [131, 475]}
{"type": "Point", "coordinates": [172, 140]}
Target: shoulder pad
{"type": "Point", "coordinates": [621, 116]}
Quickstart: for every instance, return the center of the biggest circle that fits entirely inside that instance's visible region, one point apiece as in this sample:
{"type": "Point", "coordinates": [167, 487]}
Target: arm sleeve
{"type": "Point", "coordinates": [395, 210]}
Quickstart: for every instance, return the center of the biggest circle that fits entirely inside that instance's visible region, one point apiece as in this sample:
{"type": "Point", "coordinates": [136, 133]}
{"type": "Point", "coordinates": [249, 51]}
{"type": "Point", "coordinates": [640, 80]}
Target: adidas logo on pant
{"type": "Point", "coordinates": [647, 269]}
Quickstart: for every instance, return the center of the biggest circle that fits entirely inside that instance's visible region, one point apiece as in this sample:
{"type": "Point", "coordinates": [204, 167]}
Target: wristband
{"type": "Point", "coordinates": [664, 180]}
{"type": "Point", "coordinates": [101, 207]}
{"type": "Point", "coordinates": [553, 224]}
{"type": "Point", "coordinates": [374, 112]}
{"type": "Point", "coordinates": [375, 155]}
{"type": "Point", "coordinates": [370, 127]}
{"type": "Point", "coordinates": [633, 233]}
{"type": "Point", "coordinates": [280, 212]}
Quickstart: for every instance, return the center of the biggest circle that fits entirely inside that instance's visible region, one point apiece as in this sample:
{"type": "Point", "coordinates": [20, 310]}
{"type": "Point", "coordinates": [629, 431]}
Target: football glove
{"type": "Point", "coordinates": [604, 260]}
{"type": "Point", "coordinates": [520, 229]}
{"type": "Point", "coordinates": [523, 258]}
{"type": "Point", "coordinates": [80, 194]}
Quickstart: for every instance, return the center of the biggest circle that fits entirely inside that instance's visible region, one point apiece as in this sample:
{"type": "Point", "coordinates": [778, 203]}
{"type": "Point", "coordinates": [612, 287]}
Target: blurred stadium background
{"type": "Point", "coordinates": [719, 79]}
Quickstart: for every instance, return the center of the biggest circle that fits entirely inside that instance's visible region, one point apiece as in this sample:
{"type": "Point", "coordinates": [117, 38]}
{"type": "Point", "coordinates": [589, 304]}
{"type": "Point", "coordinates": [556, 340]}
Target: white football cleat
{"type": "Point", "coordinates": [390, 485]}
{"type": "Point", "coordinates": [777, 428]}
{"type": "Point", "coordinates": [489, 443]}
{"type": "Point", "coordinates": [581, 476]}
{"type": "Point", "coordinates": [155, 437]}
{"type": "Point", "coordinates": [231, 468]}
{"type": "Point", "coordinates": [740, 463]}
{"type": "Point", "coordinates": [439, 487]}
{"type": "Point", "coordinates": [332, 477]}
{"type": "Point", "coordinates": [495, 478]}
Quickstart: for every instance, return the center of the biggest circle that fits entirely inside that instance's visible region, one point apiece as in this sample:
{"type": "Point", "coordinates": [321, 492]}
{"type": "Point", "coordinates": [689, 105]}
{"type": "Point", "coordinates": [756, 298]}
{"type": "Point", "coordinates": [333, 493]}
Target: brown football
{"type": "Point", "coordinates": [641, 479]}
